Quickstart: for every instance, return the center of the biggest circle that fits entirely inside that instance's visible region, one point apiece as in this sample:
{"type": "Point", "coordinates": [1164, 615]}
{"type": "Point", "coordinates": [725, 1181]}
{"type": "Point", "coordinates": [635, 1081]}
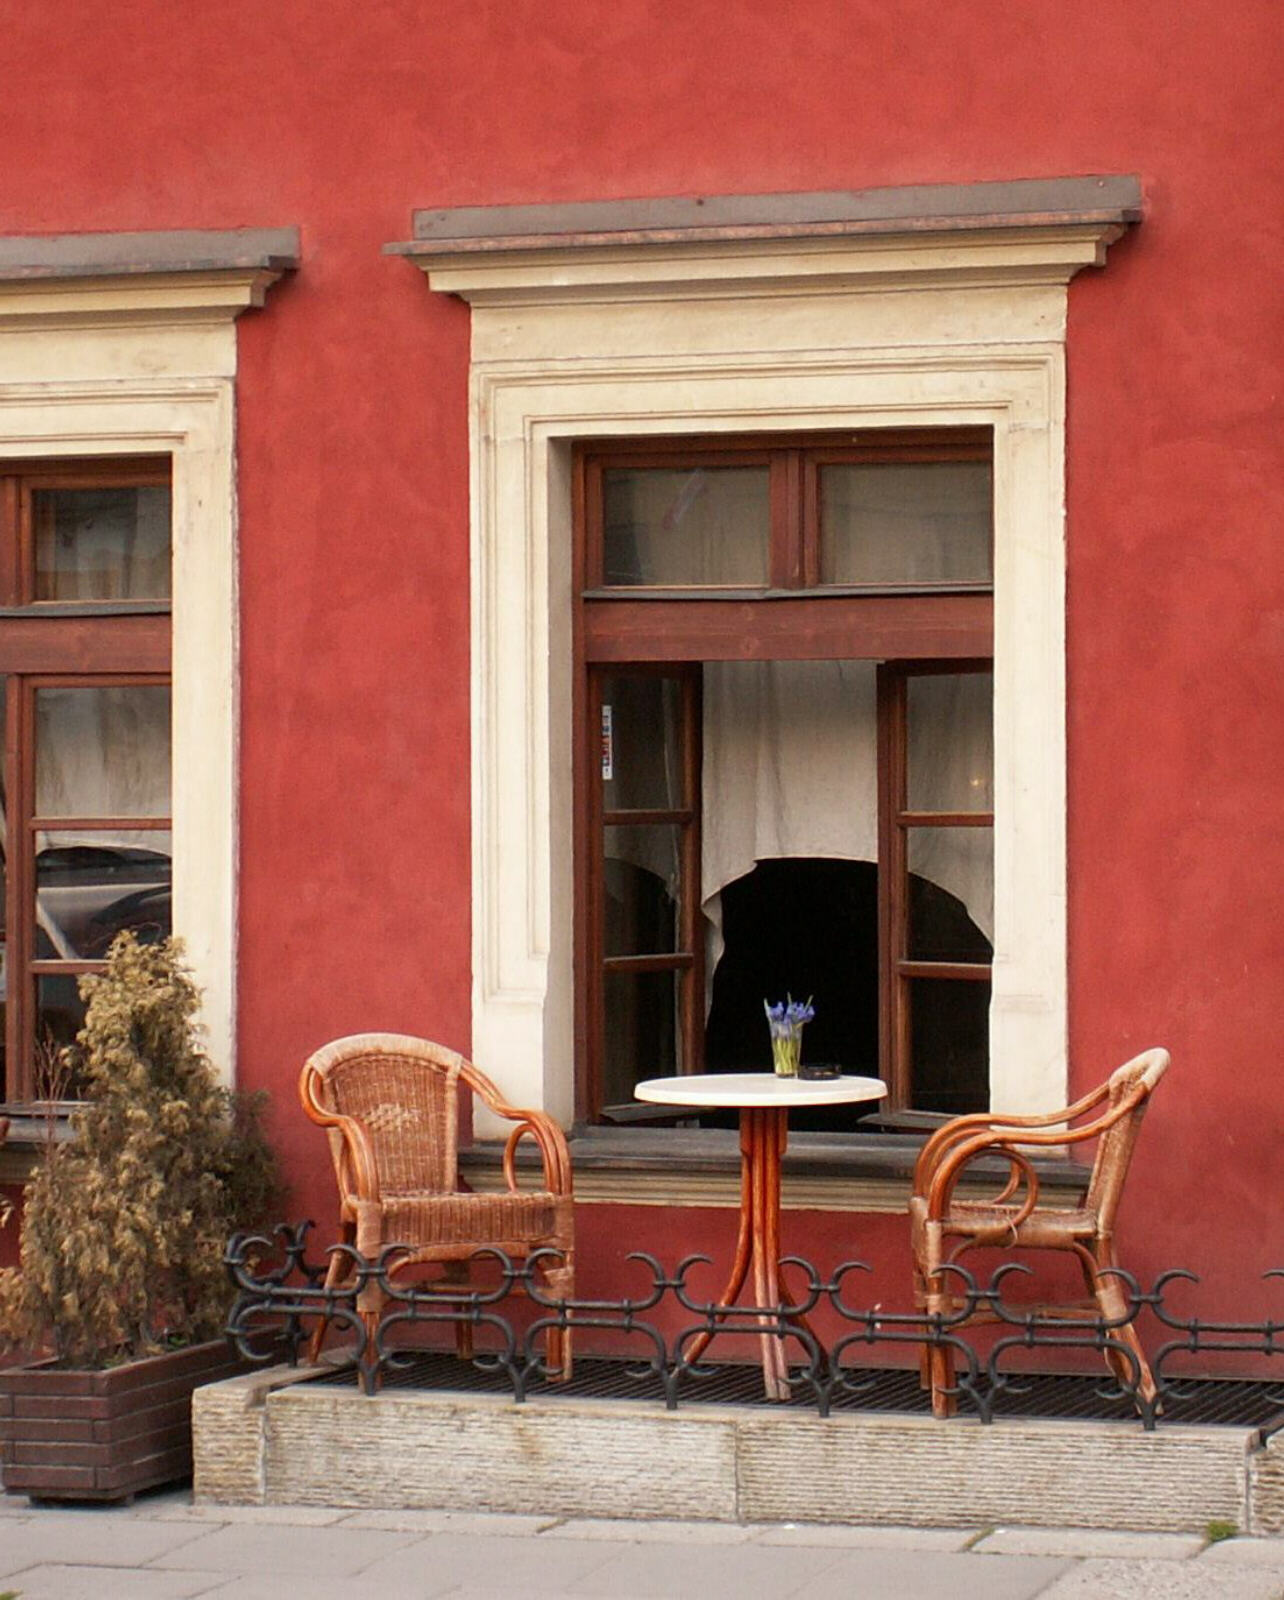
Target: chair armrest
{"type": "Point", "coordinates": [1003, 1140]}
{"type": "Point", "coordinates": [552, 1148]}
{"type": "Point", "coordinates": [538, 1124]}
{"type": "Point", "coordinates": [961, 1129]}
{"type": "Point", "coordinates": [365, 1171]}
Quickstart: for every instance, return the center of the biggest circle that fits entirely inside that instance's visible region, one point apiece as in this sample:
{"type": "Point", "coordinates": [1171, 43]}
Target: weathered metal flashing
{"type": "Point", "coordinates": [1104, 201]}
{"type": "Point", "coordinates": [56, 256]}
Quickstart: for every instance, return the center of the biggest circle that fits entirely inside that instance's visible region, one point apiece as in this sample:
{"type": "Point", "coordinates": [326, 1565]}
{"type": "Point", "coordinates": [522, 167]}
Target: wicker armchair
{"type": "Point", "coordinates": [943, 1227]}
{"type": "Point", "coordinates": [389, 1104]}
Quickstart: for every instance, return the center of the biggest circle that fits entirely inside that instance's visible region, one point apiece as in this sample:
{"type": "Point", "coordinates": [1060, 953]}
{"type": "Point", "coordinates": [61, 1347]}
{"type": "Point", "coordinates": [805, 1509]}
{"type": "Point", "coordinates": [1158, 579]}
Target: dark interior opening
{"type": "Point", "coordinates": [806, 927]}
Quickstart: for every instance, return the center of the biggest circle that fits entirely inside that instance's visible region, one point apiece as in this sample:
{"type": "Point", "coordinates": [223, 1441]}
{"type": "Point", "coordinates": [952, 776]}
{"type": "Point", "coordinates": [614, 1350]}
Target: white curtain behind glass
{"type": "Point", "coordinates": [791, 769]}
{"type": "Point", "coordinates": [103, 753]}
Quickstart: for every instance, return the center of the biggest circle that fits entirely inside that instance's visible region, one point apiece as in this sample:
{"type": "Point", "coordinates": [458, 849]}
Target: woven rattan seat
{"type": "Point", "coordinates": [390, 1106]}
{"type": "Point", "coordinates": [943, 1227]}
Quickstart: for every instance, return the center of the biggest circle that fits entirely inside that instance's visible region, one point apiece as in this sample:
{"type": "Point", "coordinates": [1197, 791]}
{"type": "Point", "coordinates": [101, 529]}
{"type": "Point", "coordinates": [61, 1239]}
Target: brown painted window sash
{"type": "Point", "coordinates": [896, 970]}
{"type": "Point", "coordinates": [51, 644]}
{"type": "Point", "coordinates": [904, 631]}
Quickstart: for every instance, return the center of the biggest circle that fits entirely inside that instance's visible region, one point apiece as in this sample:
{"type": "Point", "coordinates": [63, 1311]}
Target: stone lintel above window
{"type": "Point", "coordinates": [209, 272]}
{"type": "Point", "coordinates": [1043, 228]}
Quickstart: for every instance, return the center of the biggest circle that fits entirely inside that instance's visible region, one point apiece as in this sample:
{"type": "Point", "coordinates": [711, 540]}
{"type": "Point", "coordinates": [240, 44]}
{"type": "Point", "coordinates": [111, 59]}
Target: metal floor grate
{"type": "Point", "coordinates": [1218, 1401]}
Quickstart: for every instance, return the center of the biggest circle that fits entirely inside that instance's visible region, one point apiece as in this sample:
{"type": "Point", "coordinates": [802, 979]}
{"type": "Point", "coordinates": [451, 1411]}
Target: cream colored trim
{"type": "Point", "coordinates": [162, 297]}
{"type": "Point", "coordinates": [574, 275]}
{"type": "Point", "coordinates": [57, 399]}
{"type": "Point", "coordinates": [632, 340]}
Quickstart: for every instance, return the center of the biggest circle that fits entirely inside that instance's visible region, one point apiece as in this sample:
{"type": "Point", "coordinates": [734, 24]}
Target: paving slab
{"type": "Point", "coordinates": [1087, 1542]}
{"type": "Point", "coordinates": [682, 1572]}
{"type": "Point", "coordinates": [1246, 1552]}
{"type": "Point", "coordinates": [271, 1586]}
{"type": "Point", "coordinates": [278, 1516]}
{"type": "Point", "coordinates": [910, 1575]}
{"type": "Point", "coordinates": [88, 1539]}
{"type": "Point", "coordinates": [303, 1553]}
{"type": "Point", "coordinates": [627, 1531]}
{"type": "Point", "coordinates": [481, 1522]}
{"type": "Point", "coordinates": [821, 1534]}
{"type": "Point", "coordinates": [51, 1581]}
{"type": "Point", "coordinates": [515, 1566]}
{"type": "Point", "coordinates": [1163, 1580]}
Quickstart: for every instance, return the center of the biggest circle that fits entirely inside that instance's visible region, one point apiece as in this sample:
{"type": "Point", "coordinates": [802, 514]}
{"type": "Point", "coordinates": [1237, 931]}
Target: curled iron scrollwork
{"type": "Point", "coordinates": [671, 1332]}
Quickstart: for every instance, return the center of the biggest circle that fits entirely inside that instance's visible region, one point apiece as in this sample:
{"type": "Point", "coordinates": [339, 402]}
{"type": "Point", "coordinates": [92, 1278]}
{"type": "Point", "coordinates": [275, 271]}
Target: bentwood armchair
{"type": "Point", "coordinates": [944, 1226]}
{"type": "Point", "coordinates": [389, 1104]}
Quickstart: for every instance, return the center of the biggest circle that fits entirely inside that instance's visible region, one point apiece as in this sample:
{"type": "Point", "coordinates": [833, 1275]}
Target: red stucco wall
{"type": "Point", "coordinates": [353, 457]}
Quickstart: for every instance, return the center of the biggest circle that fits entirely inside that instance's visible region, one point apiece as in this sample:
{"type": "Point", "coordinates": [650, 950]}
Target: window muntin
{"type": "Point", "coordinates": [87, 757]}
{"type": "Point", "coordinates": [933, 957]}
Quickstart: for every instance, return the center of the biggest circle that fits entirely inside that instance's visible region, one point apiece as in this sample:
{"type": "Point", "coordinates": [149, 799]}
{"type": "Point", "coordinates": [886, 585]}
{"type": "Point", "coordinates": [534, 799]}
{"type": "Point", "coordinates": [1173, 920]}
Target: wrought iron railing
{"type": "Point", "coordinates": [280, 1290]}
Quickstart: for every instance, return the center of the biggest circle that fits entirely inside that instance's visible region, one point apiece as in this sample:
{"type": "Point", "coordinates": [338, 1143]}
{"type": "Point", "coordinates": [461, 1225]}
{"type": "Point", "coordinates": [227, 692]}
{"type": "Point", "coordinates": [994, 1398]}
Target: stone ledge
{"type": "Point", "coordinates": [228, 1420]}
{"type": "Point", "coordinates": [290, 1442]}
{"type": "Point", "coordinates": [112, 255]}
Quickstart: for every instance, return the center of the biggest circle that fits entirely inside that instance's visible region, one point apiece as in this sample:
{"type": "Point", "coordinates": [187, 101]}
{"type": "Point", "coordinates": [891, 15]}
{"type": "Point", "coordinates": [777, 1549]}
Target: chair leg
{"type": "Point", "coordinates": [941, 1373]}
{"type": "Point", "coordinates": [456, 1272]}
{"type": "Point", "coordinates": [935, 1361]}
{"type": "Point", "coordinates": [1113, 1305]}
{"type": "Point", "coordinates": [332, 1275]}
{"type": "Point", "coordinates": [558, 1352]}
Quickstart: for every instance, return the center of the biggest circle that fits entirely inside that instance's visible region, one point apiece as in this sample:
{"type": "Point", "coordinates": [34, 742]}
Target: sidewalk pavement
{"type": "Point", "coordinates": [163, 1547]}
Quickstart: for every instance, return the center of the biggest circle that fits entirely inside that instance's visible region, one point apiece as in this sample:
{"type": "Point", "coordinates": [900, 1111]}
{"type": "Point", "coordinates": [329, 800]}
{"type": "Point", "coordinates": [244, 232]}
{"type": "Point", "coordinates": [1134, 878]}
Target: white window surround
{"type": "Point", "coordinates": [100, 356]}
{"type": "Point", "coordinates": [594, 336]}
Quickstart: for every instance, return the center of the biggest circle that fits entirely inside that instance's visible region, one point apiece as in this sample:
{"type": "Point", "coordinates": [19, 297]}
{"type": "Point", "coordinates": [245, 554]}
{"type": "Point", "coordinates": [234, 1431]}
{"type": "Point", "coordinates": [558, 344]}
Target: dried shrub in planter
{"type": "Point", "coordinates": [124, 1223]}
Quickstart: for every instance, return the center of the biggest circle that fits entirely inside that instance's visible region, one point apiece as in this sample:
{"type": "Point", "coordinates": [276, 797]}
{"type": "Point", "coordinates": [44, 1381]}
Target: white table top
{"type": "Point", "coordinates": [757, 1089]}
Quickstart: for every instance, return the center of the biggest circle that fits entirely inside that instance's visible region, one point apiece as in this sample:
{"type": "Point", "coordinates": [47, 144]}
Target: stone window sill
{"type": "Point", "coordinates": [866, 1172]}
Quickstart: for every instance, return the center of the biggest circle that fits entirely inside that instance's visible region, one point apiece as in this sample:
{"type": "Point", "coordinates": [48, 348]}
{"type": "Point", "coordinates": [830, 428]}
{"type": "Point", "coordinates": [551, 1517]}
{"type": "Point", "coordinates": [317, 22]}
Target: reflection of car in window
{"type": "Point", "coordinates": [86, 895]}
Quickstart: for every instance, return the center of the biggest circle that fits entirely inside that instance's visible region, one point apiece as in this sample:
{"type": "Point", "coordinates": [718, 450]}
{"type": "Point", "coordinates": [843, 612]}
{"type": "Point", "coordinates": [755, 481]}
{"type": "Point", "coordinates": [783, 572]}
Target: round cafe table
{"type": "Point", "coordinates": [764, 1101]}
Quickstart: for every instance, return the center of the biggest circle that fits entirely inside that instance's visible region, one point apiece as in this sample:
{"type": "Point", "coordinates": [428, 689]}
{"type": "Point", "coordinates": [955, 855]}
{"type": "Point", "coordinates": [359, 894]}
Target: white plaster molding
{"type": "Point", "coordinates": [66, 390]}
{"type": "Point", "coordinates": [678, 270]}
{"type": "Point", "coordinates": [662, 338]}
{"type": "Point", "coordinates": [164, 298]}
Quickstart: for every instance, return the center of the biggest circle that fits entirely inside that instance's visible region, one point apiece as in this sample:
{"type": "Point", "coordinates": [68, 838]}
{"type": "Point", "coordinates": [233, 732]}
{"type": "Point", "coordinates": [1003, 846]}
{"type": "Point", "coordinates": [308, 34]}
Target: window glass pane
{"type": "Point", "coordinates": [894, 523]}
{"type": "Point", "coordinates": [955, 864]}
{"type": "Point", "coordinates": [60, 1015]}
{"type": "Point", "coordinates": [641, 738]}
{"type": "Point", "coordinates": [103, 752]}
{"type": "Point", "coordinates": [641, 877]}
{"type": "Point", "coordinates": [951, 741]}
{"type": "Point", "coordinates": [5, 1085]}
{"type": "Point", "coordinates": [642, 1031]}
{"type": "Point", "coordinates": [91, 886]}
{"type": "Point", "coordinates": [950, 1044]}
{"type": "Point", "coordinates": [709, 526]}
{"type": "Point", "coordinates": [940, 928]}
{"type": "Point", "coordinates": [102, 544]}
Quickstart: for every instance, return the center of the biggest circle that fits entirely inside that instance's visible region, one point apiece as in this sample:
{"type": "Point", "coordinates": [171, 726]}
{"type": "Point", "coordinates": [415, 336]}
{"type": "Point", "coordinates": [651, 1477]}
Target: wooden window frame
{"type": "Point", "coordinates": [58, 644]}
{"type": "Point", "coordinates": [944, 627]}
{"type": "Point", "coordinates": [896, 968]}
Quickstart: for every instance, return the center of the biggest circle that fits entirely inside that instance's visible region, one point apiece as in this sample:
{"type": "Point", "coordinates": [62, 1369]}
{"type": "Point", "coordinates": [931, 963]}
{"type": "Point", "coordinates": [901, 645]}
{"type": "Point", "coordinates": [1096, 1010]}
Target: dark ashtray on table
{"type": "Point", "coordinates": [815, 1071]}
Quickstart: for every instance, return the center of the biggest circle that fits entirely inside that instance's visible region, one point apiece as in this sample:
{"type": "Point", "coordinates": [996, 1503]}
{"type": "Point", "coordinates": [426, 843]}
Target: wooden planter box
{"type": "Point", "coordinates": [104, 1435]}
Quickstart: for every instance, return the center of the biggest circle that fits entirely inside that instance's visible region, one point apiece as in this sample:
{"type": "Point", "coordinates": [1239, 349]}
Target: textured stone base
{"type": "Point", "coordinates": [1266, 1486]}
{"type": "Point", "coordinates": [229, 1427]}
{"type": "Point", "coordinates": [273, 1439]}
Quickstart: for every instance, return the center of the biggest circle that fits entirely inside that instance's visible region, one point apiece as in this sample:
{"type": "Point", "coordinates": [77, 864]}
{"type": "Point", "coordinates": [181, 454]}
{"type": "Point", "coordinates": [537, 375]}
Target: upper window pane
{"type": "Point", "coordinates": [708, 527]}
{"type": "Point", "coordinates": [103, 752]}
{"type": "Point", "coordinates": [101, 544]}
{"type": "Point", "coordinates": [642, 743]}
{"type": "Point", "coordinates": [951, 741]}
{"type": "Point", "coordinates": [906, 523]}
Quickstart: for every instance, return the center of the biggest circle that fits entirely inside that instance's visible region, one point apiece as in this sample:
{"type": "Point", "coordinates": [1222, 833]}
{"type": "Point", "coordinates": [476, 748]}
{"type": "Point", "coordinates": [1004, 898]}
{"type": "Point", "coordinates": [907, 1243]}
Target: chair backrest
{"type": "Point", "coordinates": [1135, 1080]}
{"type": "Point", "coordinates": [404, 1093]}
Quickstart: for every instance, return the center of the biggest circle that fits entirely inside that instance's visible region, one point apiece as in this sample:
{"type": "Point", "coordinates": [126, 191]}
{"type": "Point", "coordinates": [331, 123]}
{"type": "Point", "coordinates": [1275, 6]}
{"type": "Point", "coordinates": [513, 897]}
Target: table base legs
{"type": "Point", "coordinates": [763, 1135]}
